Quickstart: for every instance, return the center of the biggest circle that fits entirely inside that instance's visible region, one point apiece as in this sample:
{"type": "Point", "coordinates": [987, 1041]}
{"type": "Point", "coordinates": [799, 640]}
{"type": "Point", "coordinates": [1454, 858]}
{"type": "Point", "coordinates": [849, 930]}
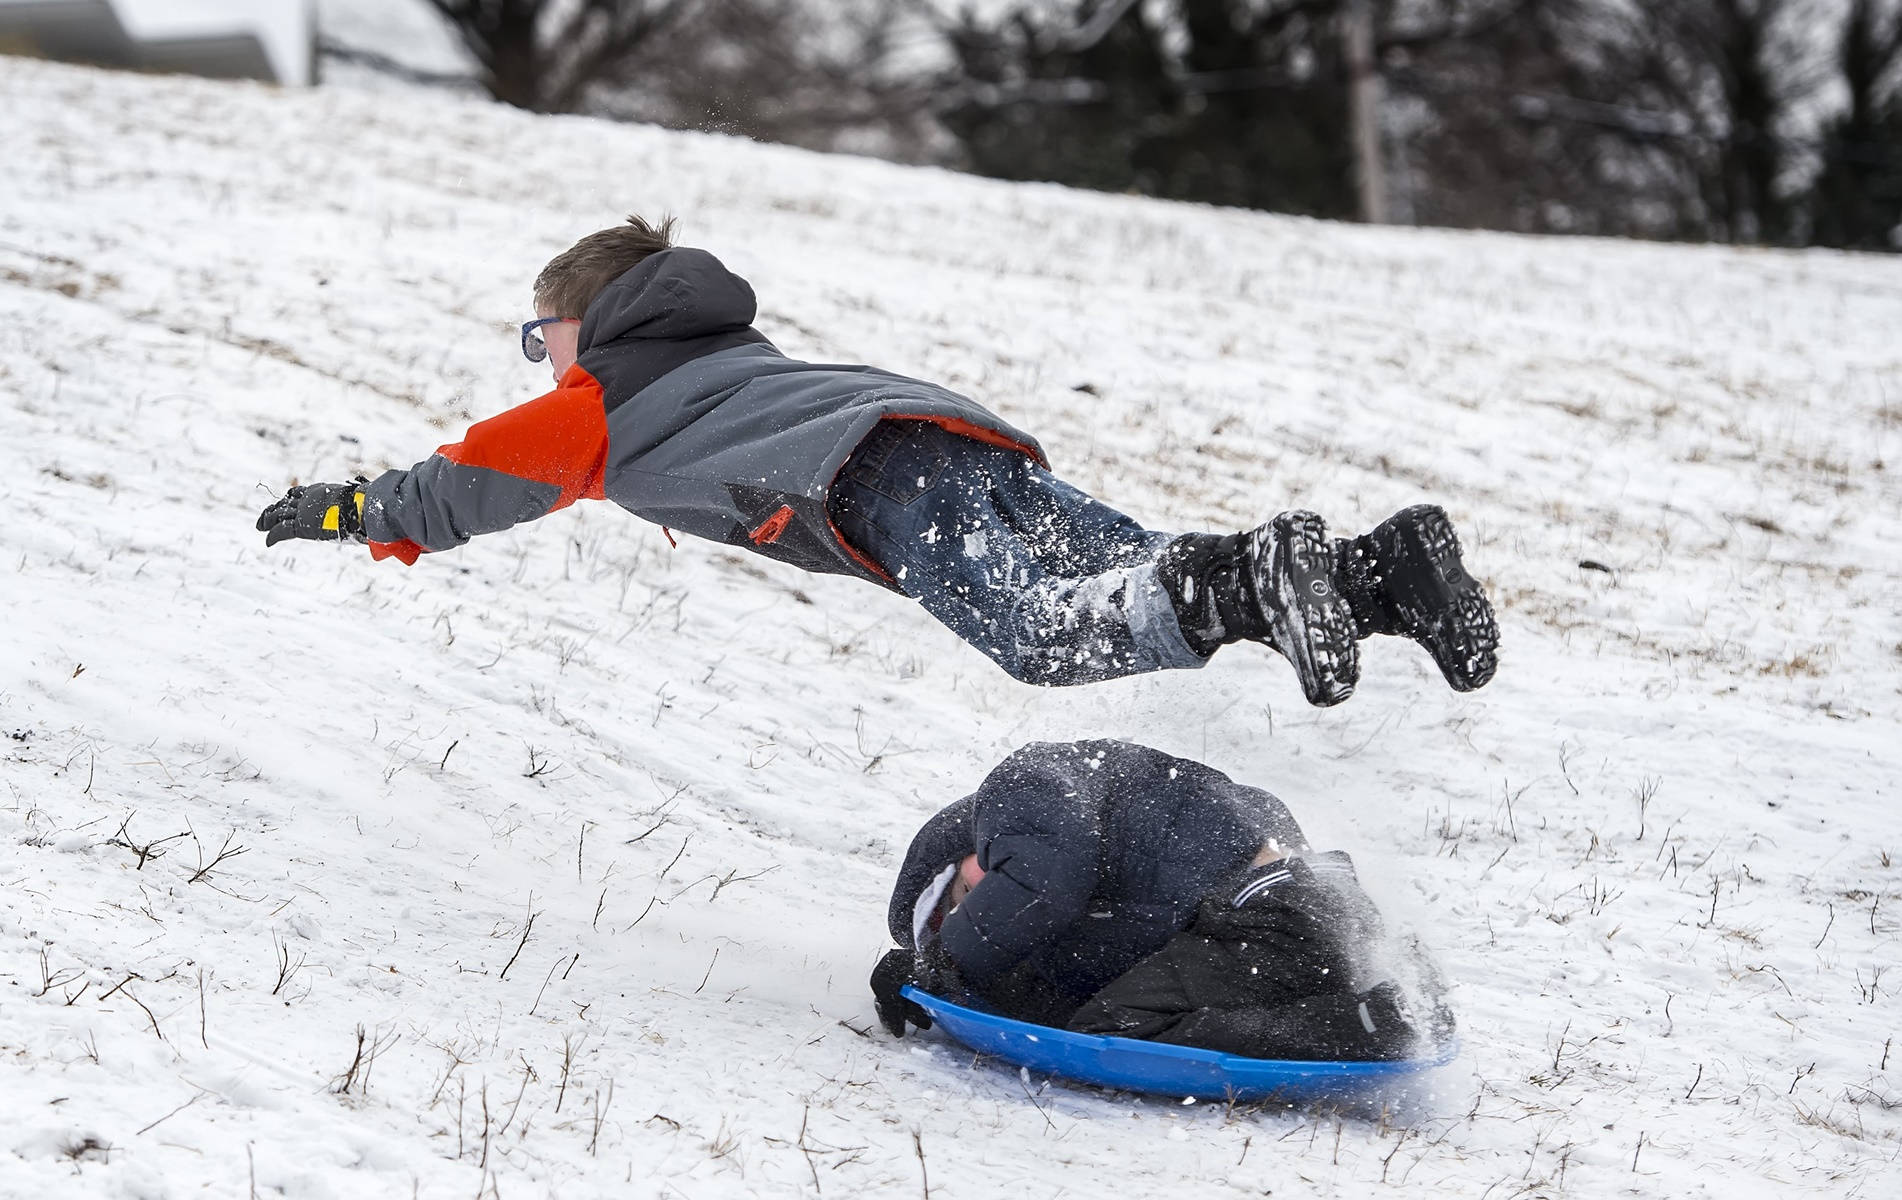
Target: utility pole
{"type": "Point", "coordinates": [1363, 103]}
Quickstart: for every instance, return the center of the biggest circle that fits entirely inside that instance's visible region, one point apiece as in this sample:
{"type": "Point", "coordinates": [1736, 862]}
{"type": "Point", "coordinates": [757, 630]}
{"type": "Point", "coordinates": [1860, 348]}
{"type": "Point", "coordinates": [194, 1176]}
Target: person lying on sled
{"type": "Point", "coordinates": [1105, 887]}
{"type": "Point", "coordinates": [670, 404]}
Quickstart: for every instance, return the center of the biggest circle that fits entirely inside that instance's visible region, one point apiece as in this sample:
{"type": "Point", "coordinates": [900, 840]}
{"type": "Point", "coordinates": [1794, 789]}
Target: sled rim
{"type": "Point", "coordinates": [1132, 1064]}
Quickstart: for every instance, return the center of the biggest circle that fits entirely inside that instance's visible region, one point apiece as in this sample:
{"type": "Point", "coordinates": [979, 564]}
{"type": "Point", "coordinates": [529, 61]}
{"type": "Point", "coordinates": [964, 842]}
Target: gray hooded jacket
{"type": "Point", "coordinates": [680, 412]}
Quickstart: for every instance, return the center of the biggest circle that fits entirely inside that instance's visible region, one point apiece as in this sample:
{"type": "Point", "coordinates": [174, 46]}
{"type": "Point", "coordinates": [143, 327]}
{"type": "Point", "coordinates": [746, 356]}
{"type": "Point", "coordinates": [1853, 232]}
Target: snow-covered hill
{"type": "Point", "coordinates": [554, 866]}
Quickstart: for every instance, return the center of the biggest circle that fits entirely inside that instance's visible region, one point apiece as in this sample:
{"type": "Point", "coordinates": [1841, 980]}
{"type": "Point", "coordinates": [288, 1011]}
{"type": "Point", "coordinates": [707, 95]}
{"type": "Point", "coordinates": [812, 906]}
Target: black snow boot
{"type": "Point", "coordinates": [1274, 585]}
{"type": "Point", "coordinates": [1405, 578]}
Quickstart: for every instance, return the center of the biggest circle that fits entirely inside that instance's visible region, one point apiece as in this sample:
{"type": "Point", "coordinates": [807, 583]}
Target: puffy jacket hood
{"type": "Point", "coordinates": [945, 838]}
{"type": "Point", "coordinates": [672, 294]}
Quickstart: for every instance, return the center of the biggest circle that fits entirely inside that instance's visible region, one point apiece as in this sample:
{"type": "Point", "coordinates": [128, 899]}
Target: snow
{"type": "Point", "coordinates": [590, 837]}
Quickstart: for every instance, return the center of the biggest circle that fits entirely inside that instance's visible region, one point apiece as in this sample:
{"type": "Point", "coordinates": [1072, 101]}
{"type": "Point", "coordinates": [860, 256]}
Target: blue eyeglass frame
{"type": "Point", "coordinates": [534, 349]}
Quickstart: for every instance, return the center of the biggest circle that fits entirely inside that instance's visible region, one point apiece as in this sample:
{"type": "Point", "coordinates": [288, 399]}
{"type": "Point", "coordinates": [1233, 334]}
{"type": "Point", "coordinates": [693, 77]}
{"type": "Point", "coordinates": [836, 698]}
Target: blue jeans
{"type": "Point", "coordinates": [1053, 586]}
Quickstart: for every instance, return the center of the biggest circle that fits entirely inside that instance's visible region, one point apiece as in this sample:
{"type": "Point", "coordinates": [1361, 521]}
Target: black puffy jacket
{"type": "Point", "coordinates": [1095, 854]}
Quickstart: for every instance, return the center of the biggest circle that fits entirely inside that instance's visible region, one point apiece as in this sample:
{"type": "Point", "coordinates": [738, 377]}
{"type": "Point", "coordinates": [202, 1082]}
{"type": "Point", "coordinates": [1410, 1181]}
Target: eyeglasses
{"type": "Point", "coordinates": [533, 348]}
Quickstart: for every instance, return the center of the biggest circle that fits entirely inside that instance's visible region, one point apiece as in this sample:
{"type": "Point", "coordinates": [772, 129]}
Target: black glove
{"type": "Point", "coordinates": [322, 512]}
{"type": "Point", "coordinates": [894, 971]}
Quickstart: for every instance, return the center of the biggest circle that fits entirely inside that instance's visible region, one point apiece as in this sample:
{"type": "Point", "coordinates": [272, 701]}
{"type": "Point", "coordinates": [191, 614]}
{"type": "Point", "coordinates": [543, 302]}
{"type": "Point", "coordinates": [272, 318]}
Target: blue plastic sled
{"type": "Point", "coordinates": [1138, 1066]}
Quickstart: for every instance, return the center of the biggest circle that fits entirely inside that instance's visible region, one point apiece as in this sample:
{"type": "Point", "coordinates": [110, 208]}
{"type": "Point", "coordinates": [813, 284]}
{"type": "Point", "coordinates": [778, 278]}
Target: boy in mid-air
{"type": "Point", "coordinates": [669, 403]}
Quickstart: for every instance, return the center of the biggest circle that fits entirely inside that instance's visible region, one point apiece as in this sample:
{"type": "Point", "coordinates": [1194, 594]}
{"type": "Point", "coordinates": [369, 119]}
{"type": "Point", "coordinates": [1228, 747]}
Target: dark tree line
{"type": "Point", "coordinates": [1773, 121]}
{"type": "Point", "coordinates": [1232, 104]}
{"type": "Point", "coordinates": [1658, 118]}
{"type": "Point", "coordinates": [815, 73]}
{"type": "Point", "coordinates": [545, 56]}
{"type": "Point", "coordinates": [1857, 192]}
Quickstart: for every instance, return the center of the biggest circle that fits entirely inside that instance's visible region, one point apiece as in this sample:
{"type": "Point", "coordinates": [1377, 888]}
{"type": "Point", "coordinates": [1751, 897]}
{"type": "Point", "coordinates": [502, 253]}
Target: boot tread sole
{"type": "Point", "coordinates": [1313, 622]}
{"type": "Point", "coordinates": [1440, 604]}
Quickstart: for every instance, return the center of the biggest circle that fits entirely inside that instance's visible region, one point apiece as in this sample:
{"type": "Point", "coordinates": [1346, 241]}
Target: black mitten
{"type": "Point", "coordinates": [934, 970]}
{"type": "Point", "coordinates": [322, 512]}
{"type": "Point", "coordinates": [894, 971]}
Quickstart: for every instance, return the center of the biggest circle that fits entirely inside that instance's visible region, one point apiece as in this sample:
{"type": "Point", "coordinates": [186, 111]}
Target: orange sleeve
{"type": "Point", "coordinates": [514, 467]}
{"type": "Point", "coordinates": [560, 438]}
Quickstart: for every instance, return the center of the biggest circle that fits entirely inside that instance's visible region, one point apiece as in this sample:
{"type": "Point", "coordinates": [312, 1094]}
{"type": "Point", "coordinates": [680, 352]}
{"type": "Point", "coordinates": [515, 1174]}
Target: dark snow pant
{"type": "Point", "coordinates": [1273, 966]}
{"type": "Point", "coordinates": [1053, 586]}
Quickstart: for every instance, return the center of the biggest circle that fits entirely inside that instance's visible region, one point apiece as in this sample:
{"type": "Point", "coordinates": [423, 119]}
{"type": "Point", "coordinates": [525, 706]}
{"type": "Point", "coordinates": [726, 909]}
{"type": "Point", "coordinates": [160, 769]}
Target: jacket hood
{"type": "Point", "coordinates": [672, 294]}
{"type": "Point", "coordinates": [944, 839]}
